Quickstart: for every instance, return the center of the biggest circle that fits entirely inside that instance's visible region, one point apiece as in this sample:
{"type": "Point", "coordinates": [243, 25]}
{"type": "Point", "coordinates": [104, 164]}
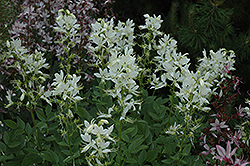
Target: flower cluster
{"type": "Point", "coordinates": [67, 25]}
{"type": "Point", "coordinates": [122, 71]}
{"type": "Point", "coordinates": [173, 130]}
{"type": "Point", "coordinates": [94, 137]}
{"type": "Point", "coordinates": [217, 61]}
{"type": "Point", "coordinates": [168, 62]}
{"type": "Point", "coordinates": [30, 66]}
{"type": "Point", "coordinates": [193, 88]}
{"type": "Point", "coordinates": [64, 86]}
{"type": "Point", "coordinates": [152, 24]}
{"type": "Point", "coordinates": [107, 39]}
{"type": "Point", "coordinates": [115, 45]}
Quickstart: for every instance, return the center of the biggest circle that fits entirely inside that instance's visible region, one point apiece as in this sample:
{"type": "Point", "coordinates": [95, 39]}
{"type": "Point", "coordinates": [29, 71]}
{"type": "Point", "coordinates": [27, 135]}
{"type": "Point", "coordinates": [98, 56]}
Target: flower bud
{"type": "Point", "coordinates": [42, 78]}
{"type": "Point", "coordinates": [8, 44]}
{"type": "Point", "coordinates": [69, 76]}
{"type": "Point", "coordinates": [22, 96]}
{"type": "Point", "coordinates": [103, 121]}
{"type": "Point", "coordinates": [70, 114]}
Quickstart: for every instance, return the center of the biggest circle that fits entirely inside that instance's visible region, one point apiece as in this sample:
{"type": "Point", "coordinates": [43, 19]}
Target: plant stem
{"type": "Point", "coordinates": [120, 142]}
{"type": "Point", "coordinates": [34, 122]}
{"type": "Point", "coordinates": [168, 124]}
{"type": "Point", "coordinates": [182, 141]}
{"type": "Point", "coordinates": [69, 144]}
{"type": "Point", "coordinates": [101, 94]}
{"type": "Point", "coordinates": [172, 104]}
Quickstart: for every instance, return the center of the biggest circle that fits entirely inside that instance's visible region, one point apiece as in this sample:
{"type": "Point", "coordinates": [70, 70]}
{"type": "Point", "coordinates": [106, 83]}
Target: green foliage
{"type": "Point", "coordinates": [20, 145]}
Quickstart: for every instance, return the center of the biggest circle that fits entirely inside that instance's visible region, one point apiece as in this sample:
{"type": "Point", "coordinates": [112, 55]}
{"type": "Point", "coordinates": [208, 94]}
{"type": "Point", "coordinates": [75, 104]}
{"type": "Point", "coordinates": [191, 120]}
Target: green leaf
{"type": "Point", "coordinates": [5, 157]}
{"type": "Point", "coordinates": [170, 146]}
{"type": "Point", "coordinates": [134, 132]}
{"type": "Point", "coordinates": [42, 126]}
{"type": "Point", "coordinates": [83, 113]}
{"type": "Point", "coordinates": [20, 123]}
{"type": "Point", "coordinates": [129, 130]}
{"type": "Point", "coordinates": [66, 152]}
{"type": "Point", "coordinates": [18, 132]}
{"type": "Point", "coordinates": [50, 156]}
{"type": "Point", "coordinates": [125, 138]}
{"type": "Point", "coordinates": [6, 138]}
{"type": "Point", "coordinates": [131, 160]}
{"type": "Point", "coordinates": [149, 99]}
{"type": "Point", "coordinates": [156, 106]}
{"type": "Point", "coordinates": [53, 126]}
{"type": "Point", "coordinates": [40, 114]}
{"type": "Point", "coordinates": [149, 139]}
{"type": "Point", "coordinates": [49, 114]}
{"type": "Point", "coordinates": [194, 160]}
{"type": "Point", "coordinates": [144, 92]}
{"type": "Point", "coordinates": [147, 131]}
{"type": "Point", "coordinates": [142, 157]}
{"type": "Point", "coordinates": [69, 158]}
{"type": "Point", "coordinates": [54, 156]}
{"type": "Point", "coordinates": [2, 147]}
{"type": "Point", "coordinates": [183, 162]}
{"type": "Point", "coordinates": [48, 109]}
{"type": "Point", "coordinates": [50, 138]}
{"type": "Point", "coordinates": [154, 116]}
{"type": "Point", "coordinates": [15, 161]}
{"type": "Point", "coordinates": [28, 129]}
{"type": "Point", "coordinates": [26, 161]}
{"type": "Point", "coordinates": [62, 143]}
{"type": "Point", "coordinates": [167, 161]}
{"type": "Point", "coordinates": [175, 157]}
{"type": "Point", "coordinates": [14, 144]}
{"type": "Point", "coordinates": [134, 147]}
{"type": "Point", "coordinates": [152, 154]}
{"type": "Point", "coordinates": [142, 147]}
{"type": "Point", "coordinates": [50, 117]}
{"type": "Point", "coordinates": [30, 150]}
{"type": "Point", "coordinates": [46, 156]}
{"type": "Point", "coordinates": [186, 150]}
{"type": "Point", "coordinates": [10, 124]}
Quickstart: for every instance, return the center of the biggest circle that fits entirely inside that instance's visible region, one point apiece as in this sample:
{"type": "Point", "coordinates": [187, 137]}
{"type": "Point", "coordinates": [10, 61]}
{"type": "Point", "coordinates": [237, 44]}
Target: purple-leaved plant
{"type": "Point", "coordinates": [223, 131]}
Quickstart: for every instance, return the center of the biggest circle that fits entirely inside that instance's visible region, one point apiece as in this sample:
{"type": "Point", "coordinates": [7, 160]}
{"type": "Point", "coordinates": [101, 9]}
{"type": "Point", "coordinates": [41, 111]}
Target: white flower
{"type": "Point", "coordinates": [66, 86]}
{"type": "Point", "coordinates": [9, 94]}
{"type": "Point", "coordinates": [45, 95]}
{"type": "Point", "coordinates": [152, 23]}
{"type": "Point", "coordinates": [109, 115]}
{"type": "Point", "coordinates": [17, 47]}
{"type": "Point", "coordinates": [95, 137]}
{"type": "Point", "coordinates": [174, 129]}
